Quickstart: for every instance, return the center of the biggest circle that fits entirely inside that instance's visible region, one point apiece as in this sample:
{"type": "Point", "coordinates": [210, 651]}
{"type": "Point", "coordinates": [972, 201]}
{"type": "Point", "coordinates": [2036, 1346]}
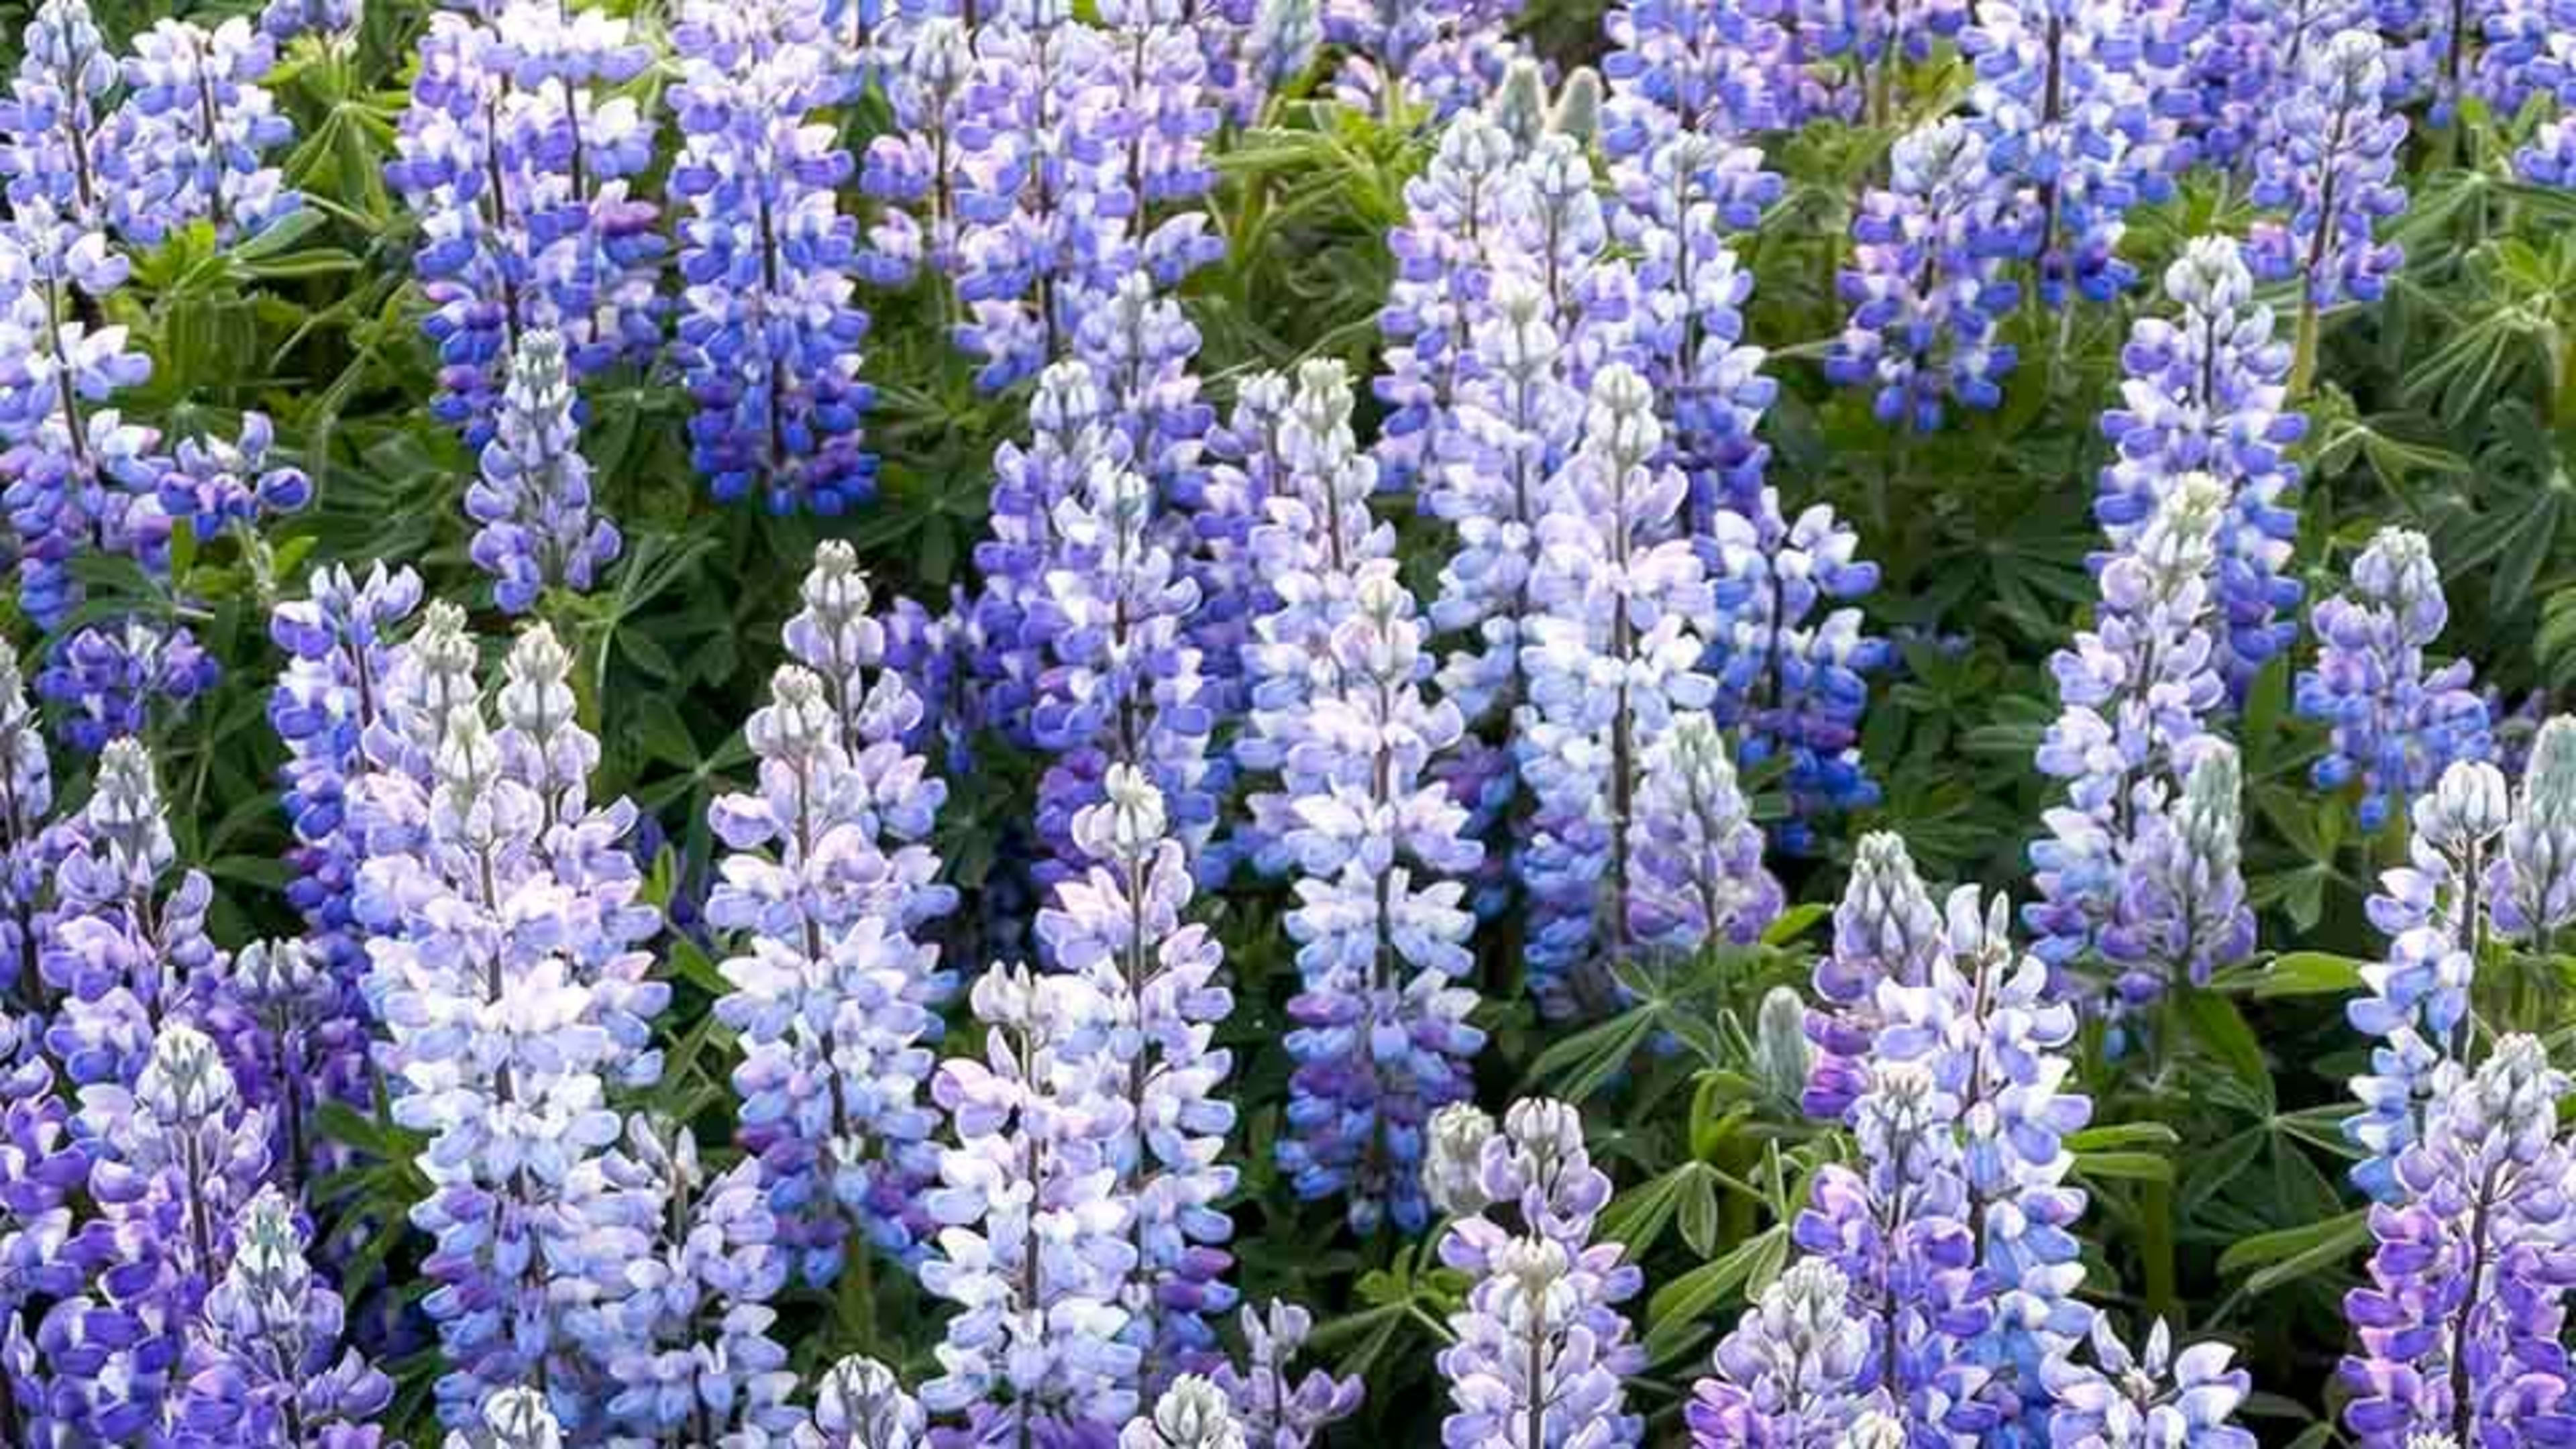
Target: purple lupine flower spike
{"type": "Point", "coordinates": [522, 171]}
{"type": "Point", "coordinates": [2138, 690]}
{"type": "Point", "coordinates": [26, 810]}
{"type": "Point", "coordinates": [1444, 56]}
{"type": "Point", "coordinates": [1541, 1340]}
{"type": "Point", "coordinates": [1790, 1374]}
{"type": "Point", "coordinates": [832, 882]}
{"type": "Point", "coordinates": [2460, 1319]}
{"type": "Point", "coordinates": [861, 1405]}
{"type": "Point", "coordinates": [2534, 890]}
{"type": "Point", "coordinates": [202, 124]}
{"type": "Point", "coordinates": [2205, 392]}
{"type": "Point", "coordinates": [1119, 928]}
{"type": "Point", "coordinates": [1032, 1224]}
{"type": "Point", "coordinates": [126, 937]}
{"type": "Point", "coordinates": [2396, 721]}
{"type": "Point", "coordinates": [2417, 999]}
{"type": "Point", "coordinates": [769, 335]}
{"type": "Point", "coordinates": [505, 1040]}
{"type": "Point", "coordinates": [1192, 1414]}
{"type": "Point", "coordinates": [533, 498]}
{"type": "Point", "coordinates": [1886, 930]}
{"type": "Point", "coordinates": [1613, 654]}
{"type": "Point", "coordinates": [1382, 1039]}
{"type": "Point", "coordinates": [688, 1262]}
{"type": "Point", "coordinates": [1927, 282]}
{"type": "Point", "coordinates": [2130, 1400]}
{"type": "Point", "coordinates": [2331, 167]}
{"type": "Point", "coordinates": [272, 1369]}
{"type": "Point", "coordinates": [1277, 1413]}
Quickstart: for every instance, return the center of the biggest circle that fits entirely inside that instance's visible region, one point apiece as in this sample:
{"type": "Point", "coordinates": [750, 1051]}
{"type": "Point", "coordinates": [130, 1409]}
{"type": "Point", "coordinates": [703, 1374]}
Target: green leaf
{"type": "Point", "coordinates": [2213, 1021]}
{"type": "Point", "coordinates": [2293, 1252]}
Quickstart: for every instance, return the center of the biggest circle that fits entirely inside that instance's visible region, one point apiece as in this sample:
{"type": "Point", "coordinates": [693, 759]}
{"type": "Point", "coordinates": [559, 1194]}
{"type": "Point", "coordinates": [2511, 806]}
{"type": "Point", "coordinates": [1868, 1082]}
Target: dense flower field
{"type": "Point", "coordinates": [1237, 724]}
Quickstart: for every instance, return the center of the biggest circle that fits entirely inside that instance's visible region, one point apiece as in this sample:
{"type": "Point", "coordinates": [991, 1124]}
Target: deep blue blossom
{"type": "Point", "coordinates": [2205, 392]}
{"type": "Point", "coordinates": [769, 329]}
{"type": "Point", "coordinates": [1928, 280]}
{"type": "Point", "coordinates": [520, 168]}
{"type": "Point", "coordinates": [2069, 115]}
{"type": "Point", "coordinates": [2396, 719]}
{"type": "Point", "coordinates": [1854, 51]}
{"type": "Point", "coordinates": [1713, 68]}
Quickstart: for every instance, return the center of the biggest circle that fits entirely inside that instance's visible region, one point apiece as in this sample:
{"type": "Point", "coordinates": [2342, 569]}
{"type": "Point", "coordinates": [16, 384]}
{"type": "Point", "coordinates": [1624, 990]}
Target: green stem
{"type": "Point", "coordinates": [2156, 1247]}
{"type": "Point", "coordinates": [2303, 362]}
{"type": "Point", "coordinates": [856, 1312]}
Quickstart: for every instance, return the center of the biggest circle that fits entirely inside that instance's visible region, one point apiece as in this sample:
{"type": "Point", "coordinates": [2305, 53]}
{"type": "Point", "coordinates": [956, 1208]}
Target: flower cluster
{"type": "Point", "coordinates": [2204, 393]}
{"type": "Point", "coordinates": [2128, 1398]}
{"type": "Point", "coordinates": [504, 932]}
{"type": "Point", "coordinates": [2396, 721]}
{"type": "Point", "coordinates": [533, 498]}
{"type": "Point", "coordinates": [1382, 1037]}
{"type": "Point", "coordinates": [520, 167]}
{"type": "Point", "coordinates": [2069, 116]}
{"type": "Point", "coordinates": [1121, 680]}
{"type": "Point", "coordinates": [1155, 980]}
{"type": "Point", "coordinates": [1852, 54]}
{"type": "Point", "coordinates": [1886, 931]}
{"type": "Point", "coordinates": [26, 846]}
{"type": "Point", "coordinates": [1541, 1346]}
{"type": "Point", "coordinates": [2460, 1320]}
{"type": "Point", "coordinates": [1613, 653]}
{"type": "Point", "coordinates": [2225, 69]}
{"type": "Point", "coordinates": [2329, 164]}
{"type": "Point", "coordinates": [769, 335]}
{"type": "Point", "coordinates": [1442, 56]}
{"type": "Point", "coordinates": [1036, 1246]}
{"type": "Point", "coordinates": [123, 941]}
{"type": "Point", "coordinates": [1713, 69]}
{"type": "Point", "coordinates": [2433, 910]}
{"type": "Point", "coordinates": [1277, 1413]}
{"type": "Point", "coordinates": [2134, 874]}
{"type": "Point", "coordinates": [832, 884]}
{"type": "Point", "coordinates": [203, 125]}
{"type": "Point", "coordinates": [273, 1369]}
{"type": "Point", "coordinates": [1928, 281]}
{"type": "Point", "coordinates": [1937, 1293]}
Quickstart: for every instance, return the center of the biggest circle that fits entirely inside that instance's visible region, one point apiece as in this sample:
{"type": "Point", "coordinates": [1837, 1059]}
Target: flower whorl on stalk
{"type": "Point", "coordinates": [2396, 721]}
{"type": "Point", "coordinates": [769, 334]}
{"type": "Point", "coordinates": [202, 123]}
{"type": "Point", "coordinates": [2534, 895]}
{"type": "Point", "coordinates": [521, 168]}
{"type": "Point", "coordinates": [2138, 691]}
{"type": "Point", "coordinates": [1037, 1245]}
{"type": "Point", "coordinates": [1928, 281]}
{"type": "Point", "coordinates": [275, 1371]}
{"type": "Point", "coordinates": [120, 951]}
{"type": "Point", "coordinates": [2460, 1321]}
{"type": "Point", "coordinates": [831, 879]}
{"type": "Point", "coordinates": [1789, 1376]}
{"type": "Point", "coordinates": [1886, 930]}
{"type": "Point", "coordinates": [1276, 1412]}
{"type": "Point", "coordinates": [1382, 1037]}
{"type": "Point", "coordinates": [1613, 657]}
{"type": "Point", "coordinates": [1541, 1344]}
{"type": "Point", "coordinates": [2434, 912]}
{"type": "Point", "coordinates": [2205, 392]}
{"type": "Point", "coordinates": [2330, 165]}
{"type": "Point", "coordinates": [506, 965]}
{"type": "Point", "coordinates": [533, 499]}
{"type": "Point", "coordinates": [1119, 929]}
